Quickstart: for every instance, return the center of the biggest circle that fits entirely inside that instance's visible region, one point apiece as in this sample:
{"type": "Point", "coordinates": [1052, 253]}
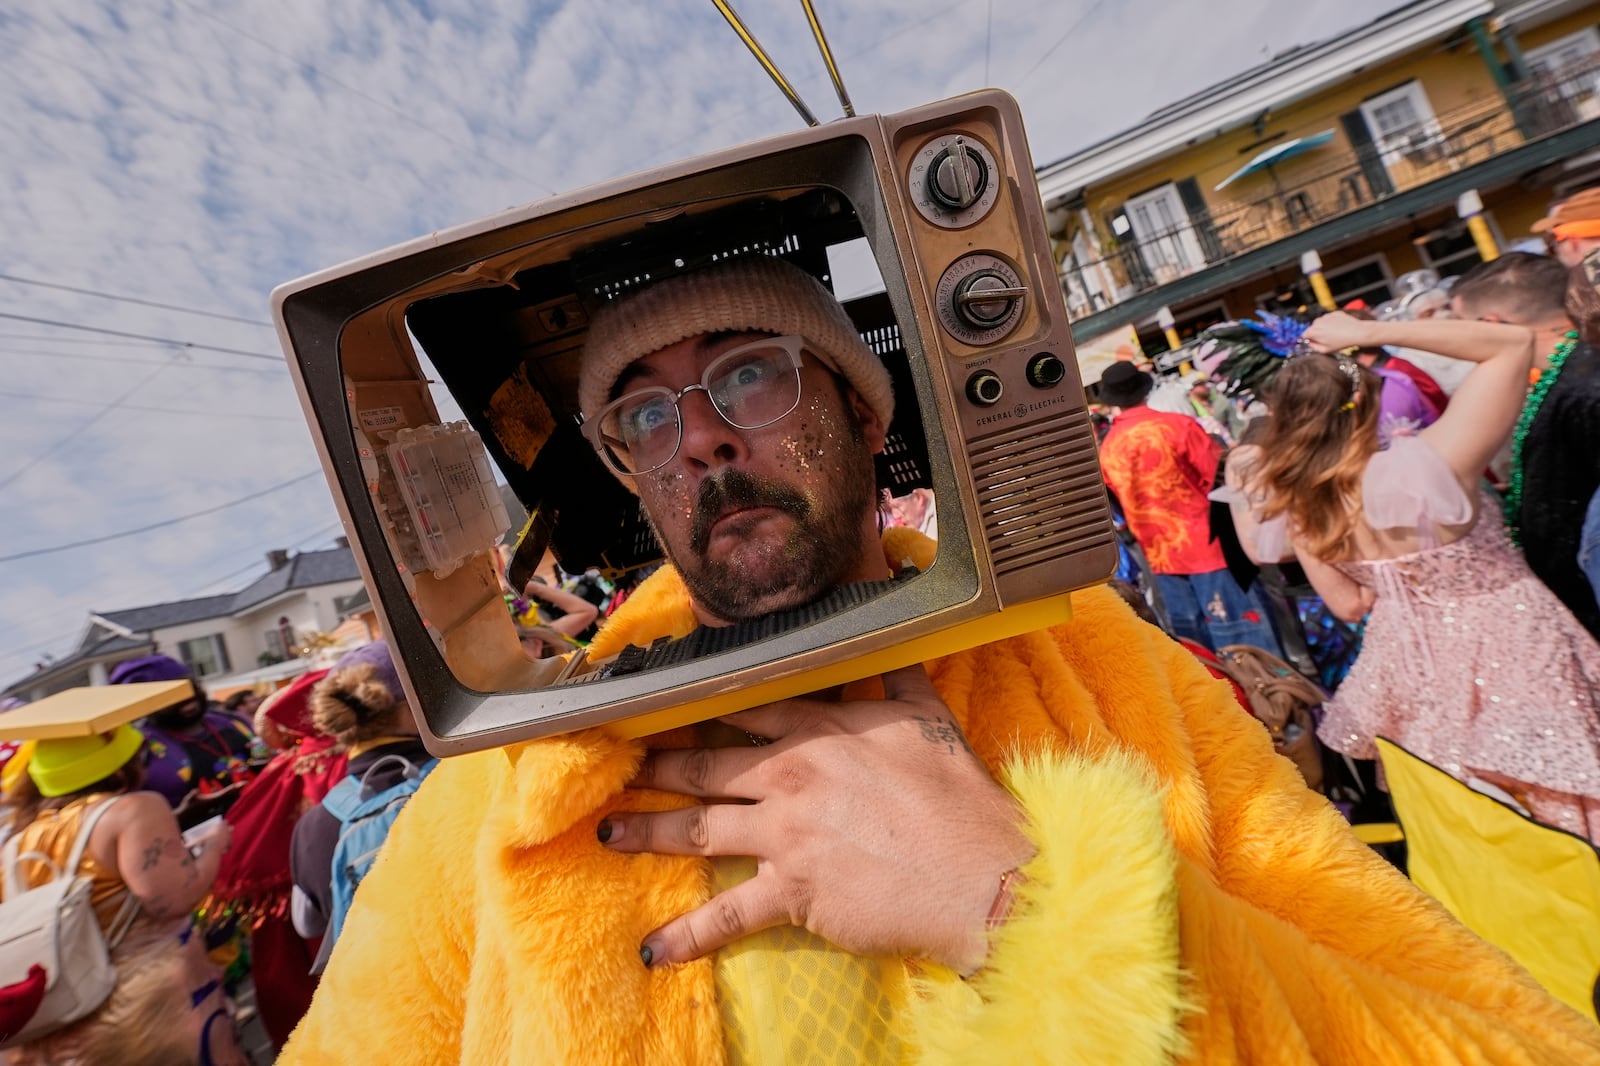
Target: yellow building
{"type": "Point", "coordinates": [1365, 150]}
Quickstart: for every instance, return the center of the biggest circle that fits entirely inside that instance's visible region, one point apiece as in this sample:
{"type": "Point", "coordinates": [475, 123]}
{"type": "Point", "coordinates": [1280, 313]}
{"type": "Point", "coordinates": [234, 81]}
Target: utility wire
{"type": "Point", "coordinates": [217, 413]}
{"type": "Point", "coordinates": [192, 345]}
{"type": "Point", "coordinates": [79, 431]}
{"type": "Point", "coordinates": [133, 300]}
{"type": "Point", "coordinates": [1081, 19]}
{"type": "Point", "coordinates": [118, 360]}
{"type": "Point", "coordinates": [309, 538]}
{"type": "Point", "coordinates": [56, 339]}
{"type": "Point", "coordinates": [988, 42]}
{"type": "Point", "coordinates": [33, 553]}
{"type": "Point", "coordinates": [24, 650]}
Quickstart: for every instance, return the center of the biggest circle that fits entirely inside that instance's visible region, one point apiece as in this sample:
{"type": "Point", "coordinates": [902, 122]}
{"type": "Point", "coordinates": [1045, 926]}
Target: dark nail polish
{"type": "Point", "coordinates": [646, 955]}
{"type": "Point", "coordinates": [603, 831]}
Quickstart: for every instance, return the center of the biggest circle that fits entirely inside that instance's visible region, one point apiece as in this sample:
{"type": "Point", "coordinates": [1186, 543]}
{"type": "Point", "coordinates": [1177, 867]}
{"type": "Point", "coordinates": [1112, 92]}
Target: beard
{"type": "Point", "coordinates": [823, 545]}
{"type": "Point", "coordinates": [183, 717]}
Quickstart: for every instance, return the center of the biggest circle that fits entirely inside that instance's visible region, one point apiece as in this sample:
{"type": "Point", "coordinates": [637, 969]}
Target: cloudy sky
{"type": "Point", "coordinates": [196, 153]}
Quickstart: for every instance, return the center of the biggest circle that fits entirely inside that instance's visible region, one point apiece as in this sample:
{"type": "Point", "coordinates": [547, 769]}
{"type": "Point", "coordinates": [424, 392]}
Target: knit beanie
{"type": "Point", "coordinates": [756, 293]}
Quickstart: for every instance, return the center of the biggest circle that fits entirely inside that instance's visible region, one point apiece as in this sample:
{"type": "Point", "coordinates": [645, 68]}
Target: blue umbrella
{"type": "Point", "coordinates": [1277, 154]}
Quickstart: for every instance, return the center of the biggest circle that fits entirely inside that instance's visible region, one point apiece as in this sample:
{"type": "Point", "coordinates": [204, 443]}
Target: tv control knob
{"type": "Point", "coordinates": [953, 180]}
{"type": "Point", "coordinates": [1045, 371]}
{"type": "Point", "coordinates": [979, 299]}
{"type": "Point", "coordinates": [985, 388]}
{"type": "Point", "coordinates": [958, 177]}
{"type": "Point", "coordinates": [986, 298]}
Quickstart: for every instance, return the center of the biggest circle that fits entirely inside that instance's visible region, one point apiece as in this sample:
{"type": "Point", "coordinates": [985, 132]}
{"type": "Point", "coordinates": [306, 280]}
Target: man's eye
{"type": "Point", "coordinates": [746, 376]}
{"type": "Point", "coordinates": [646, 418]}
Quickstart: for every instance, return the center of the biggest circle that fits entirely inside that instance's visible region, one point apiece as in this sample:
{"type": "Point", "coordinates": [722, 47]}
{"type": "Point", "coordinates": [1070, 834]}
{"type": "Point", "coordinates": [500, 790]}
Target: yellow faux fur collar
{"type": "Point", "coordinates": [495, 928]}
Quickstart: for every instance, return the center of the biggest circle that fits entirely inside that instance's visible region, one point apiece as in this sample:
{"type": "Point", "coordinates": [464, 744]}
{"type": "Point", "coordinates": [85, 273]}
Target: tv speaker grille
{"type": "Point", "coordinates": [1039, 492]}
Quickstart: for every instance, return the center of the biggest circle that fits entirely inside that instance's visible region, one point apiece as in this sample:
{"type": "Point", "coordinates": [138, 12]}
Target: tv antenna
{"type": "Point", "coordinates": [775, 74]}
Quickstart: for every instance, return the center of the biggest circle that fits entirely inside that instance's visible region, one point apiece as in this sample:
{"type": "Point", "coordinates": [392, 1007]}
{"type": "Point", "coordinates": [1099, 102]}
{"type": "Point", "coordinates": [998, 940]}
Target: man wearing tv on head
{"type": "Point", "coordinates": [1070, 846]}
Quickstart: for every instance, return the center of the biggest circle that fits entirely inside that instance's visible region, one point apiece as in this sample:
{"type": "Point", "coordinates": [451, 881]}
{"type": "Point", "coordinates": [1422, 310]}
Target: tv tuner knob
{"type": "Point", "coordinates": [958, 177]}
{"type": "Point", "coordinates": [953, 180]}
{"type": "Point", "coordinates": [986, 298]}
{"type": "Point", "coordinates": [979, 299]}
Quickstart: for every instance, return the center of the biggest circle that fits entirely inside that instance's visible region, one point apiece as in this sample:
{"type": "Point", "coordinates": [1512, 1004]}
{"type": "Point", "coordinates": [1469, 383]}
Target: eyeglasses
{"type": "Point", "coordinates": [750, 386]}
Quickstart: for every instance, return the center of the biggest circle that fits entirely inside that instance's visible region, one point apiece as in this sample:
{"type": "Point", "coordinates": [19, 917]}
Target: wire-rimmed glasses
{"type": "Point", "coordinates": [750, 386]}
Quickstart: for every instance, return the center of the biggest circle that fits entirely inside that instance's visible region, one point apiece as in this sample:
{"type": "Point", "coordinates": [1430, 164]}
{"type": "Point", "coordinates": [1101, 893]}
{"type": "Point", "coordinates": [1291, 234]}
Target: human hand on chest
{"type": "Point", "coordinates": [871, 821]}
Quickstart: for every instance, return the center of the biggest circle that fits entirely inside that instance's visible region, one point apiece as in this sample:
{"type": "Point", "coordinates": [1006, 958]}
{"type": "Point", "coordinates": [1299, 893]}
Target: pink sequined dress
{"type": "Point", "coordinates": [1469, 661]}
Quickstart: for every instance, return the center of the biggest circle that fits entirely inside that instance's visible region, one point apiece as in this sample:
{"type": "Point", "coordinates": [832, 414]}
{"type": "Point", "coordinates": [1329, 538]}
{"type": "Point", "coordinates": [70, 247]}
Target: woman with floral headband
{"type": "Point", "coordinates": [1469, 661]}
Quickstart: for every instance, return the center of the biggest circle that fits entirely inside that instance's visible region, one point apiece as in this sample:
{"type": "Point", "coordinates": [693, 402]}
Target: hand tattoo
{"type": "Point", "coordinates": [942, 731]}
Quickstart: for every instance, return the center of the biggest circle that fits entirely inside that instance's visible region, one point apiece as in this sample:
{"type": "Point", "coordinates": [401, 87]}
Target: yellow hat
{"type": "Point", "coordinates": [67, 764]}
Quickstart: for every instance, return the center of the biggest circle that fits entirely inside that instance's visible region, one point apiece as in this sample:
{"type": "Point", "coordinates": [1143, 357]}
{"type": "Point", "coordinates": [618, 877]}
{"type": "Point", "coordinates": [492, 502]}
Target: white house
{"type": "Point", "coordinates": [227, 639]}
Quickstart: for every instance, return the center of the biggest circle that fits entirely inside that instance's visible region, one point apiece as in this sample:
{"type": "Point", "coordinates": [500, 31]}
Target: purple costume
{"type": "Point", "coordinates": [209, 755]}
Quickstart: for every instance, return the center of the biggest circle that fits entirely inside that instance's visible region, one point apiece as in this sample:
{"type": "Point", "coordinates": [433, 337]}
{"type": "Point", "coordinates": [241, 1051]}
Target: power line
{"type": "Point", "coordinates": [79, 431]}
{"type": "Point", "coordinates": [1079, 21]}
{"type": "Point", "coordinates": [195, 345]}
{"type": "Point", "coordinates": [196, 589]}
{"type": "Point", "coordinates": [223, 413]}
{"type": "Point", "coordinates": [80, 340]}
{"type": "Point", "coordinates": [24, 650]}
{"type": "Point", "coordinates": [156, 525]}
{"type": "Point", "coordinates": [136, 362]}
{"type": "Point", "coordinates": [133, 300]}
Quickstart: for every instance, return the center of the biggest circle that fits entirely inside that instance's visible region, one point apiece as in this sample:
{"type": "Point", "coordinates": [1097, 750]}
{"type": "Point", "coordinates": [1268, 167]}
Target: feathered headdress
{"type": "Point", "coordinates": [1245, 355]}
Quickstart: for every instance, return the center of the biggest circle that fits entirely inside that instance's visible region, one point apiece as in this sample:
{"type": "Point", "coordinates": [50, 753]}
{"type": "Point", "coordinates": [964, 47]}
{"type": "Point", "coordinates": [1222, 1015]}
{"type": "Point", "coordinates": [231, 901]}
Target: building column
{"type": "Point", "coordinates": [98, 675]}
{"type": "Point", "coordinates": [1311, 267]}
{"type": "Point", "coordinates": [1469, 207]}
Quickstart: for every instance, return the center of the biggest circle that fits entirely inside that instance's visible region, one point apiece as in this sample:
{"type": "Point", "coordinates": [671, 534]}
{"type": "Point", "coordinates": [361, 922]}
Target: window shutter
{"type": "Point", "coordinates": [1194, 202]}
{"type": "Point", "coordinates": [1372, 168]}
{"type": "Point", "coordinates": [1139, 275]}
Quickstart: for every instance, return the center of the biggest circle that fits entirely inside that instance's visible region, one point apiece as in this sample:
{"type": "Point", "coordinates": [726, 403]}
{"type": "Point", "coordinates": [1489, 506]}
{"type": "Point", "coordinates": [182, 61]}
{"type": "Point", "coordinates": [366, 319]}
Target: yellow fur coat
{"type": "Point", "coordinates": [1190, 900]}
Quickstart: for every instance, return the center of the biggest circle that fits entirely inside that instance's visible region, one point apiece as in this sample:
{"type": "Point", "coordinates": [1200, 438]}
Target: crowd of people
{"type": "Point", "coordinates": [1073, 845]}
{"type": "Point", "coordinates": [209, 840]}
{"type": "Point", "coordinates": [1449, 532]}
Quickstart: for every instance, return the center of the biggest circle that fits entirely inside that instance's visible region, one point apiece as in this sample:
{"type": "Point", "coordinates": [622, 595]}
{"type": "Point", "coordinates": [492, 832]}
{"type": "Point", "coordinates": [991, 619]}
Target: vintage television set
{"type": "Point", "coordinates": [990, 415]}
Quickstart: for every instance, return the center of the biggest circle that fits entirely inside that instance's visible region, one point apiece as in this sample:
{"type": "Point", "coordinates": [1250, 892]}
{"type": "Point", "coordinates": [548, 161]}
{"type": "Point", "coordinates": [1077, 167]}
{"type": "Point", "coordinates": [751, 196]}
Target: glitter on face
{"type": "Point", "coordinates": [816, 471]}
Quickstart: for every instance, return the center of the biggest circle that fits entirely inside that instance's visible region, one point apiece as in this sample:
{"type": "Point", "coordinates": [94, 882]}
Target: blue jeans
{"type": "Point", "coordinates": [1213, 611]}
{"type": "Point", "coordinates": [1589, 545]}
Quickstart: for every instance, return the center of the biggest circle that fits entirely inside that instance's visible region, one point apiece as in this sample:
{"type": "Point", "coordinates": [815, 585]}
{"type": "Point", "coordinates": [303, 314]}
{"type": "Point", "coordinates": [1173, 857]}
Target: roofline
{"type": "Point", "coordinates": [1533, 13]}
{"type": "Point", "coordinates": [270, 600]}
{"type": "Point", "coordinates": [1383, 216]}
{"type": "Point", "coordinates": [1272, 84]}
{"type": "Point", "coordinates": [234, 612]}
{"type": "Point", "coordinates": [75, 662]}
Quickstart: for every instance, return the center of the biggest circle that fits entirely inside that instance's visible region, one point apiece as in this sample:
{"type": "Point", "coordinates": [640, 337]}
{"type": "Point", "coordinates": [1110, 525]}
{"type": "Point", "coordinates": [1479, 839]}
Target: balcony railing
{"type": "Point", "coordinates": [1344, 182]}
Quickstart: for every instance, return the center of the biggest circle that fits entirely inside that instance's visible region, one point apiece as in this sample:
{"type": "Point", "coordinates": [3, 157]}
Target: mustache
{"type": "Point", "coordinates": [737, 490]}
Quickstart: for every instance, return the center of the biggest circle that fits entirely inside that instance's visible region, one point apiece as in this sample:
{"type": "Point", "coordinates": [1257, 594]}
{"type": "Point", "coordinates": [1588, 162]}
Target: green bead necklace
{"type": "Point", "coordinates": [1519, 436]}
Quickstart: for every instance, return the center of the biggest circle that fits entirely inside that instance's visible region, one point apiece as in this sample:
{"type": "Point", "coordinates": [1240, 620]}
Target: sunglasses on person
{"type": "Point", "coordinates": [751, 386]}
